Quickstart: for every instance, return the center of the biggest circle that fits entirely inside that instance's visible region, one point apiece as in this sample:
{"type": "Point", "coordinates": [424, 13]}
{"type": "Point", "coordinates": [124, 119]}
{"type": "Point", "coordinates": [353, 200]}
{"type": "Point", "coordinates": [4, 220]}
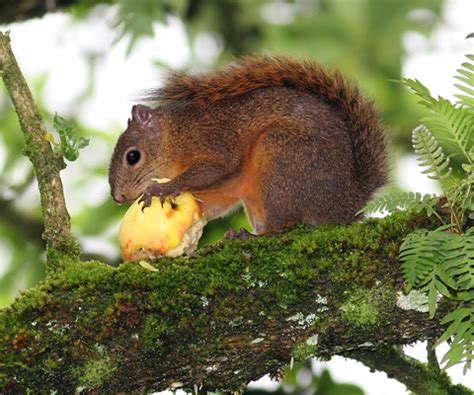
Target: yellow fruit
{"type": "Point", "coordinates": [171, 230]}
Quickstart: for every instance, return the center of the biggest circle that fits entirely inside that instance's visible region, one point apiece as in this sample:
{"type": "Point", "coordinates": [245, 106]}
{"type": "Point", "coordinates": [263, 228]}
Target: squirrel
{"type": "Point", "coordinates": [295, 143]}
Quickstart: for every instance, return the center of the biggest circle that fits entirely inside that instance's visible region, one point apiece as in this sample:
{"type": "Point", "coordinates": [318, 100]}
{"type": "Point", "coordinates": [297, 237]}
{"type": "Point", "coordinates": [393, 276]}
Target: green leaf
{"type": "Point", "coordinates": [466, 296]}
{"type": "Point", "coordinates": [421, 91]}
{"type": "Point", "coordinates": [71, 143]}
{"type": "Point", "coordinates": [430, 154]}
{"type": "Point", "coordinates": [442, 261]}
{"type": "Point", "coordinates": [402, 200]}
{"type": "Point", "coordinates": [466, 76]}
{"type": "Point", "coordinates": [419, 255]}
{"type": "Point", "coordinates": [459, 259]}
{"type": "Point", "coordinates": [452, 124]}
{"type": "Point", "coordinates": [432, 299]}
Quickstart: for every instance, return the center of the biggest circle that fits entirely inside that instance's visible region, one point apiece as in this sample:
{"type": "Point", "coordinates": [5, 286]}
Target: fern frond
{"type": "Point", "coordinates": [441, 262]}
{"type": "Point", "coordinates": [466, 76]}
{"type": "Point", "coordinates": [402, 200]}
{"type": "Point", "coordinates": [430, 154]}
{"type": "Point", "coordinates": [452, 124]}
{"type": "Point", "coordinates": [421, 91]}
{"type": "Point", "coordinates": [459, 260]}
{"type": "Point", "coordinates": [419, 254]}
{"type": "Point", "coordinates": [461, 330]}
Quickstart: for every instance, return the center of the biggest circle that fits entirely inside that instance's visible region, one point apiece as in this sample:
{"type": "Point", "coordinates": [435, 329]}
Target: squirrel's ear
{"type": "Point", "coordinates": [142, 114]}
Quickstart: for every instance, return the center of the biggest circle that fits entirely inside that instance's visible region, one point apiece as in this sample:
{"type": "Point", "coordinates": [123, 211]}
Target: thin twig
{"type": "Point", "coordinates": [47, 165]}
{"type": "Point", "coordinates": [431, 354]}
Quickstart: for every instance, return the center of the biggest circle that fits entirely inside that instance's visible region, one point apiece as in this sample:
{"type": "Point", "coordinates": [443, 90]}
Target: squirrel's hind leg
{"type": "Point", "coordinates": [297, 180]}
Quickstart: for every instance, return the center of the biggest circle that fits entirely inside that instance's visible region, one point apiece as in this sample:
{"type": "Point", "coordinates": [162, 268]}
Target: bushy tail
{"type": "Point", "coordinates": [368, 136]}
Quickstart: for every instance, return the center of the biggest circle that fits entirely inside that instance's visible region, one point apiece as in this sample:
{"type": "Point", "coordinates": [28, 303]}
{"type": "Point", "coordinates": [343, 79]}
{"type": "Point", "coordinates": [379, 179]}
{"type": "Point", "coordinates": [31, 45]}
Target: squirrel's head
{"type": "Point", "coordinates": [136, 158]}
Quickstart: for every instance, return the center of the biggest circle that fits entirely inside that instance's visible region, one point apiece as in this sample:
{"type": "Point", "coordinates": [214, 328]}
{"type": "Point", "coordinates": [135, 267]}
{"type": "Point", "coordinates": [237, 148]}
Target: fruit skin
{"type": "Point", "coordinates": [169, 230]}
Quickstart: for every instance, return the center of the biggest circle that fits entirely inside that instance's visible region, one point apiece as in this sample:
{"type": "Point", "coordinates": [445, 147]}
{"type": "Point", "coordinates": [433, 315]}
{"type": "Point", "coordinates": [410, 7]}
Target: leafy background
{"type": "Point", "coordinates": [90, 63]}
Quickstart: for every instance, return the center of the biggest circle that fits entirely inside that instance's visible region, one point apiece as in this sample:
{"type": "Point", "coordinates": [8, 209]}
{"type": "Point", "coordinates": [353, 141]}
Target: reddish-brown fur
{"type": "Point", "coordinates": [293, 142]}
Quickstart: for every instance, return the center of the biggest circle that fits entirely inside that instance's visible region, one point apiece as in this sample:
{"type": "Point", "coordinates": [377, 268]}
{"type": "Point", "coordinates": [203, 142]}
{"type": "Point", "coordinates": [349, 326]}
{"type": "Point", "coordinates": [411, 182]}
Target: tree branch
{"type": "Point", "coordinates": [15, 11]}
{"type": "Point", "coordinates": [29, 229]}
{"type": "Point", "coordinates": [420, 378]}
{"type": "Point", "coordinates": [47, 165]}
{"type": "Point", "coordinates": [228, 315]}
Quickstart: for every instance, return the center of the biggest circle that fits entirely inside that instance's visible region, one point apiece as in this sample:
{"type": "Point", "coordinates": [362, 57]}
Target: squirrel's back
{"type": "Point", "coordinates": [369, 142]}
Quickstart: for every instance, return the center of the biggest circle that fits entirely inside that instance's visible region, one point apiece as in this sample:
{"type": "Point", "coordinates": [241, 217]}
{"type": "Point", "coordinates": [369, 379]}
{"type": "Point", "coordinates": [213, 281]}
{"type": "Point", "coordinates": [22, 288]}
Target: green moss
{"type": "Point", "coordinates": [50, 364]}
{"type": "Point", "coordinates": [303, 351]}
{"type": "Point", "coordinates": [95, 372]}
{"type": "Point", "coordinates": [419, 377]}
{"type": "Point", "coordinates": [61, 252]}
{"type": "Point", "coordinates": [366, 307]}
{"type": "Point", "coordinates": [90, 275]}
{"type": "Point", "coordinates": [154, 328]}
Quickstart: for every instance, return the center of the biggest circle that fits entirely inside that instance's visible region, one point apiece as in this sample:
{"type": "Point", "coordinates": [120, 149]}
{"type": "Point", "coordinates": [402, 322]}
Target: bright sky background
{"type": "Point", "coordinates": [58, 47]}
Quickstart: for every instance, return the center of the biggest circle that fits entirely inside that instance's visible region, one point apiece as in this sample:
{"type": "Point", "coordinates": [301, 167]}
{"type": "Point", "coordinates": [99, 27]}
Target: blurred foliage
{"type": "Point", "coordinates": [363, 38]}
{"type": "Point", "coordinates": [303, 380]}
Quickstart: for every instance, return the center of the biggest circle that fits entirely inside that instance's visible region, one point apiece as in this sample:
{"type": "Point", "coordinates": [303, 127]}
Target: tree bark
{"type": "Point", "coordinates": [227, 315]}
{"type": "Point", "coordinates": [46, 163]}
{"type": "Point", "coordinates": [420, 378]}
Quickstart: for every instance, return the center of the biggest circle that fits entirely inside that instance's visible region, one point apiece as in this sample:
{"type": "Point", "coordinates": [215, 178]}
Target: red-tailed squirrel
{"type": "Point", "coordinates": [291, 141]}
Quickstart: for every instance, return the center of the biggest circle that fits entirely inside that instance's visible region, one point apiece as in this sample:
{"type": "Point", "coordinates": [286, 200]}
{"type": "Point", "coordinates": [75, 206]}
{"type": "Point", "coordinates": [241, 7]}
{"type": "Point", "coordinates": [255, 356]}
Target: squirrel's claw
{"type": "Point", "coordinates": [162, 198]}
{"type": "Point", "coordinates": [145, 199]}
{"type": "Point", "coordinates": [240, 234]}
{"type": "Point", "coordinates": [159, 190]}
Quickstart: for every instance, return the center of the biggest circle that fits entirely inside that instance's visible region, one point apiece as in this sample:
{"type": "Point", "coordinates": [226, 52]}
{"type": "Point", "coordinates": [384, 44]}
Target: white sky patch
{"type": "Point", "coordinates": [278, 12]}
{"type": "Point", "coordinates": [434, 60]}
{"type": "Point", "coordinates": [207, 48]}
{"type": "Point", "coordinates": [409, 177]}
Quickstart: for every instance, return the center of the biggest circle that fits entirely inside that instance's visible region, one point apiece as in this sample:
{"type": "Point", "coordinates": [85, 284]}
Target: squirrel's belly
{"type": "Point", "coordinates": [219, 201]}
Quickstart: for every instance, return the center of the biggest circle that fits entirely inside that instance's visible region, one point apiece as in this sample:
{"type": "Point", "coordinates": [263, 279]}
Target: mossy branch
{"type": "Point", "coordinates": [228, 315]}
{"type": "Point", "coordinates": [419, 378]}
{"type": "Point", "coordinates": [46, 164]}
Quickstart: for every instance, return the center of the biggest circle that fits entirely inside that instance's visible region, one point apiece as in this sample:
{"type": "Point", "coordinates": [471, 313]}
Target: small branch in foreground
{"type": "Point", "coordinates": [419, 378]}
{"type": "Point", "coordinates": [47, 165]}
{"type": "Point", "coordinates": [431, 354]}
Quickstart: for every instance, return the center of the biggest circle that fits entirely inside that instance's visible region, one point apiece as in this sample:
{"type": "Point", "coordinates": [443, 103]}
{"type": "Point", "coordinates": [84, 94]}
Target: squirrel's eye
{"type": "Point", "coordinates": [133, 157]}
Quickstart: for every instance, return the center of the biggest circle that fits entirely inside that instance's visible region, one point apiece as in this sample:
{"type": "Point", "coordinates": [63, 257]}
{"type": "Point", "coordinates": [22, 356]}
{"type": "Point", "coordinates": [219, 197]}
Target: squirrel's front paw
{"type": "Point", "coordinates": [160, 190]}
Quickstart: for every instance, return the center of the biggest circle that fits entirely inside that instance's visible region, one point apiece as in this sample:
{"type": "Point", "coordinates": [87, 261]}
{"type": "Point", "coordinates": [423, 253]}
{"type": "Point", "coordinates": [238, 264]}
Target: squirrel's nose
{"type": "Point", "coordinates": [119, 197]}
